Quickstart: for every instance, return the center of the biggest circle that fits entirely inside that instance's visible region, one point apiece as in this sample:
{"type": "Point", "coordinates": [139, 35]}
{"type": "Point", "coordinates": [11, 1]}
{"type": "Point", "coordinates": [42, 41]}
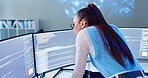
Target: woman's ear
{"type": "Point", "coordinates": [83, 23]}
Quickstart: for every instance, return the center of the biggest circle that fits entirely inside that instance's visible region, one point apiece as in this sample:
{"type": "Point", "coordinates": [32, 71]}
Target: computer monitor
{"type": "Point", "coordinates": [137, 39]}
{"type": "Point", "coordinates": [17, 58]}
{"type": "Point", "coordinates": [54, 50]}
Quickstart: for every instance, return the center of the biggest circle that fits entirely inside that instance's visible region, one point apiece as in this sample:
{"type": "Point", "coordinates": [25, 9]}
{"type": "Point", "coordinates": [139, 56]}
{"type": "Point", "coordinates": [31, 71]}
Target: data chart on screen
{"type": "Point", "coordinates": [54, 50]}
{"type": "Point", "coordinates": [17, 58]}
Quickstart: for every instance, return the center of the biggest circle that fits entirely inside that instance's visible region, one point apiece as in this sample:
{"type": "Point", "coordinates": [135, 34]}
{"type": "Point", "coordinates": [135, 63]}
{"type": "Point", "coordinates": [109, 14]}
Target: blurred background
{"type": "Point", "coordinates": [58, 14]}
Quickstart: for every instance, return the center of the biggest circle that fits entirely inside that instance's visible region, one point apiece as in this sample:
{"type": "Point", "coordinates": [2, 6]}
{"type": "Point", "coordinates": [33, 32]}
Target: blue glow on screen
{"type": "Point", "coordinates": [111, 8]}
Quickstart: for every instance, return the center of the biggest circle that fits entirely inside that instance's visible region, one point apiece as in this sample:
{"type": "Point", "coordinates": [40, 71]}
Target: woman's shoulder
{"type": "Point", "coordinates": [86, 31]}
{"type": "Point", "coordinates": [82, 32]}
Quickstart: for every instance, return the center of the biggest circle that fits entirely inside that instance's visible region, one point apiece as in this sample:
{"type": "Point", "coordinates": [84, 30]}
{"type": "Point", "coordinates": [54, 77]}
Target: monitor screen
{"type": "Point", "coordinates": [137, 39]}
{"type": "Point", "coordinates": [54, 50]}
{"type": "Point", "coordinates": [17, 58]}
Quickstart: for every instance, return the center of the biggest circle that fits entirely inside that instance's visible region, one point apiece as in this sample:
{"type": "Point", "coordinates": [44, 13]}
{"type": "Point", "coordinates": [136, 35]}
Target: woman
{"type": "Point", "coordinates": [105, 45]}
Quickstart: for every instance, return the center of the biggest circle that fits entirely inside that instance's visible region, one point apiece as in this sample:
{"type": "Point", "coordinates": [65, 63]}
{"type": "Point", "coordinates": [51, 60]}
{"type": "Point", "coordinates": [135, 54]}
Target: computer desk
{"type": "Point", "coordinates": [68, 73]}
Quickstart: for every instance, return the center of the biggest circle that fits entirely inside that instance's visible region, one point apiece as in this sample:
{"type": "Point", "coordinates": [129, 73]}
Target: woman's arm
{"type": "Point", "coordinates": [82, 49]}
